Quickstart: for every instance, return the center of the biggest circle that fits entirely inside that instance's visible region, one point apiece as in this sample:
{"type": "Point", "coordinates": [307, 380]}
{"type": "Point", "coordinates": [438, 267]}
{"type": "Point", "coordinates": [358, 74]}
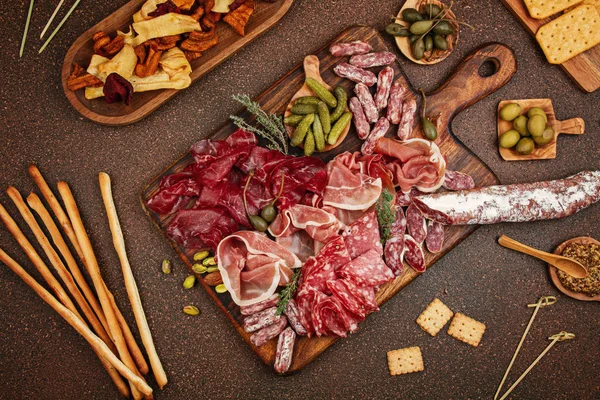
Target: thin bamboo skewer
{"type": "Point", "coordinates": [58, 265]}
{"type": "Point", "coordinates": [26, 29]}
{"type": "Point", "coordinates": [130, 285]}
{"type": "Point", "coordinates": [92, 264]}
{"type": "Point", "coordinates": [60, 24]}
{"type": "Point", "coordinates": [65, 223]}
{"type": "Point", "coordinates": [108, 359]}
{"type": "Point", "coordinates": [60, 3]}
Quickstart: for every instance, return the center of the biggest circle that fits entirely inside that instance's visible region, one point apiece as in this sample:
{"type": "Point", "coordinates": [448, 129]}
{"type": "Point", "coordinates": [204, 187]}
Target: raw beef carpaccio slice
{"type": "Point", "coordinates": [394, 109]}
{"type": "Point", "coordinates": [413, 254]}
{"type": "Point", "coordinates": [267, 333]}
{"type": "Point", "coordinates": [363, 128]}
{"type": "Point", "coordinates": [292, 314]}
{"type": "Point", "coordinates": [257, 307]}
{"type": "Point", "coordinates": [350, 48]}
{"type": "Point", "coordinates": [285, 350]}
{"type": "Point", "coordinates": [350, 190]}
{"type": "Point", "coordinates": [252, 266]}
{"type": "Point", "coordinates": [384, 84]}
{"type": "Point", "coordinates": [355, 74]}
{"type": "Point", "coordinates": [367, 270]}
{"type": "Point", "coordinates": [373, 59]}
{"type": "Point", "coordinates": [455, 180]}
{"type": "Point", "coordinates": [394, 253]}
{"type": "Point", "coordinates": [417, 226]}
{"type": "Point", "coordinates": [339, 289]}
{"type": "Point", "coordinates": [363, 235]}
{"type": "Point", "coordinates": [521, 202]}
{"type": "Point", "coordinates": [261, 319]}
{"type": "Point", "coordinates": [435, 236]}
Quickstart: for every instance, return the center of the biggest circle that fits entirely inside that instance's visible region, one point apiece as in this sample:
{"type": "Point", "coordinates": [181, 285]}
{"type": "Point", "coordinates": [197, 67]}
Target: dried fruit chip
{"type": "Point", "coordinates": [117, 88]}
{"type": "Point", "coordinates": [238, 18]}
{"type": "Point", "coordinates": [164, 8]}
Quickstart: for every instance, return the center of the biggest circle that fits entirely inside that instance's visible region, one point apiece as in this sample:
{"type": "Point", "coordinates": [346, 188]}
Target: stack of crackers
{"type": "Point", "coordinates": [574, 32]}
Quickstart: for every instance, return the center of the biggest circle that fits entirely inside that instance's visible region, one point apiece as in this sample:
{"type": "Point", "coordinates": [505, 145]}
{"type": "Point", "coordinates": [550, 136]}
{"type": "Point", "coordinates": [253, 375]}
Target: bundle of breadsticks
{"type": "Point", "coordinates": [102, 324]}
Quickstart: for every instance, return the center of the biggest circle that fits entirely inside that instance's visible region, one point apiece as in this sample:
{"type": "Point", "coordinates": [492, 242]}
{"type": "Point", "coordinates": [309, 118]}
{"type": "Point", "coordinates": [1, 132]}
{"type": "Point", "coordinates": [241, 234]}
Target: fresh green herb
{"type": "Point", "coordinates": [288, 292]}
{"type": "Point", "coordinates": [385, 216]}
{"type": "Point", "coordinates": [273, 130]}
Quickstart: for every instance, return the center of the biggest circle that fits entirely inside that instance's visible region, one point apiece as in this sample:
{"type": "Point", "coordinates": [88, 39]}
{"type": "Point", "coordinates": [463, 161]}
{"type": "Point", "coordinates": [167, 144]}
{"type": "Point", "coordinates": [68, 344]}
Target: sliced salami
{"type": "Point", "coordinates": [367, 296]}
{"type": "Point", "coordinates": [363, 128]}
{"type": "Point", "coordinates": [293, 316]}
{"type": "Point", "coordinates": [454, 180]}
{"type": "Point", "coordinates": [261, 319]}
{"type": "Point", "coordinates": [404, 199]}
{"type": "Point", "coordinates": [263, 305]}
{"type": "Point", "coordinates": [267, 333]}
{"type": "Point", "coordinates": [413, 254]}
{"type": "Point", "coordinates": [409, 110]}
{"type": "Point", "coordinates": [285, 350]}
{"type": "Point", "coordinates": [394, 110]}
{"type": "Point", "coordinates": [398, 227]}
{"type": "Point", "coordinates": [351, 302]}
{"type": "Point", "coordinates": [370, 60]}
{"type": "Point", "coordinates": [394, 253]}
{"type": "Point", "coordinates": [379, 131]}
{"type": "Point", "coordinates": [384, 84]}
{"type": "Point", "coordinates": [355, 74]}
{"type": "Point", "coordinates": [435, 236]}
{"type": "Point", "coordinates": [513, 203]}
{"type": "Point", "coordinates": [417, 226]}
{"type": "Point", "coordinates": [350, 48]}
{"type": "Point", "coordinates": [335, 320]}
{"type": "Point", "coordinates": [305, 300]}
{"type": "Point", "coordinates": [368, 104]}
{"type": "Point", "coordinates": [363, 235]}
{"type": "Point", "coordinates": [367, 270]}
{"type": "Point", "coordinates": [331, 257]}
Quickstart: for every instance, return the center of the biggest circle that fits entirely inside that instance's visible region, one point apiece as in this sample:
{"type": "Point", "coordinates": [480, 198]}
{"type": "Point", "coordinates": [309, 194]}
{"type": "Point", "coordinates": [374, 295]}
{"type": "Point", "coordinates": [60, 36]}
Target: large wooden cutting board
{"type": "Point", "coordinates": [584, 68]}
{"type": "Point", "coordinates": [464, 88]}
{"type": "Point", "coordinates": [98, 110]}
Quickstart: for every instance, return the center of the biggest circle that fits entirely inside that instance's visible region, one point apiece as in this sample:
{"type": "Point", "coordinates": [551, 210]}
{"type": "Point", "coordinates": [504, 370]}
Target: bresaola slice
{"type": "Point", "coordinates": [367, 270]}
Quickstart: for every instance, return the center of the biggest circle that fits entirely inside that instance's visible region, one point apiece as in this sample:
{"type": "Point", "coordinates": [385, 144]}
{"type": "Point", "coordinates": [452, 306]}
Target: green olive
{"type": "Point", "coordinates": [418, 49]}
{"type": "Point", "coordinates": [269, 213]}
{"type": "Point", "coordinates": [536, 125]}
{"type": "Point", "coordinates": [520, 125]}
{"type": "Point", "coordinates": [443, 28]}
{"type": "Point", "coordinates": [510, 111]}
{"type": "Point", "coordinates": [509, 139]}
{"type": "Point", "coordinates": [397, 30]}
{"type": "Point", "coordinates": [546, 137]}
{"type": "Point", "coordinates": [411, 15]}
{"type": "Point", "coordinates": [440, 42]}
{"type": "Point", "coordinates": [258, 223]}
{"type": "Point", "coordinates": [429, 129]}
{"type": "Point", "coordinates": [525, 146]}
{"type": "Point", "coordinates": [420, 27]}
{"type": "Point", "coordinates": [428, 43]}
{"type": "Point", "coordinates": [432, 10]}
{"type": "Point", "coordinates": [537, 111]}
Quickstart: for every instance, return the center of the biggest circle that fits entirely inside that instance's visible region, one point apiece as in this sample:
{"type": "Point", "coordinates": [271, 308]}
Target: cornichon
{"type": "Point", "coordinates": [189, 282]}
{"type": "Point", "coordinates": [201, 255]}
{"type": "Point", "coordinates": [322, 92]}
{"type": "Point", "coordinates": [301, 130]}
{"type": "Point", "coordinates": [317, 131]}
{"type": "Point", "coordinates": [304, 109]}
{"type": "Point", "coordinates": [325, 117]}
{"type": "Point", "coordinates": [342, 101]}
{"type": "Point", "coordinates": [308, 100]}
{"type": "Point", "coordinates": [339, 127]}
{"type": "Point", "coordinates": [293, 119]}
{"type": "Point", "coordinates": [309, 143]}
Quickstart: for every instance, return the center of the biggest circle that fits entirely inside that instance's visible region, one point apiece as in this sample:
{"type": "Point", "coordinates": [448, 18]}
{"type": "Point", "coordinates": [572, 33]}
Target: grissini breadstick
{"type": "Point", "coordinates": [36, 204]}
{"type": "Point", "coordinates": [37, 261]}
{"type": "Point", "coordinates": [58, 265]}
{"type": "Point", "coordinates": [92, 264]}
{"type": "Point", "coordinates": [130, 285]}
{"type": "Point", "coordinates": [65, 223]}
{"type": "Point", "coordinates": [107, 357]}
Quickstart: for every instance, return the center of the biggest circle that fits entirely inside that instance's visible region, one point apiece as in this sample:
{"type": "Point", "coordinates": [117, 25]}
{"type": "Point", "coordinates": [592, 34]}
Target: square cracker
{"type": "Point", "coordinates": [570, 34]}
{"type": "Point", "coordinates": [466, 329]}
{"type": "Point", "coordinates": [434, 317]}
{"type": "Point", "coordinates": [541, 9]}
{"type": "Point", "coordinates": [405, 361]}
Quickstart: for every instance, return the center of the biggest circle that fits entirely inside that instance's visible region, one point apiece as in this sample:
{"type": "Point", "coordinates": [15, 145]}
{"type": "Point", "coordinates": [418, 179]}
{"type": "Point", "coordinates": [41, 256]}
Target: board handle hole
{"type": "Point", "coordinates": [489, 67]}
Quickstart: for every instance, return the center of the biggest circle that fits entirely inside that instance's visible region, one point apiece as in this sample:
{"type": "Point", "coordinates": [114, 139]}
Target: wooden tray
{"type": "Point", "coordinates": [464, 88]}
{"type": "Point", "coordinates": [143, 103]}
{"type": "Point", "coordinates": [584, 68]}
{"type": "Point", "coordinates": [573, 126]}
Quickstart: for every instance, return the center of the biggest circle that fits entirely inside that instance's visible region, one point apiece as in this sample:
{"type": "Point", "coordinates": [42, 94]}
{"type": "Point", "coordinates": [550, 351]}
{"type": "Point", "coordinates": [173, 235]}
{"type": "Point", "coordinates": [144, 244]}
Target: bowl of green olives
{"type": "Point", "coordinates": [426, 31]}
{"type": "Point", "coordinates": [528, 129]}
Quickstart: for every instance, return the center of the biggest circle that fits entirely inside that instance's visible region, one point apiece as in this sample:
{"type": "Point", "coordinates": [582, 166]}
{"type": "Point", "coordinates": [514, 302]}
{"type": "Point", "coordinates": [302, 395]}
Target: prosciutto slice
{"type": "Point", "coordinates": [318, 224]}
{"type": "Point", "coordinates": [252, 266]}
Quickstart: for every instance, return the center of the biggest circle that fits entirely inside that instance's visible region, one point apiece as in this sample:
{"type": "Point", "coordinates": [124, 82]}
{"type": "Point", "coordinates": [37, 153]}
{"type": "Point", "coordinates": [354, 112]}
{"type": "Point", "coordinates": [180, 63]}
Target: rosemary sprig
{"type": "Point", "coordinates": [274, 131]}
{"type": "Point", "coordinates": [288, 292]}
{"type": "Point", "coordinates": [385, 216]}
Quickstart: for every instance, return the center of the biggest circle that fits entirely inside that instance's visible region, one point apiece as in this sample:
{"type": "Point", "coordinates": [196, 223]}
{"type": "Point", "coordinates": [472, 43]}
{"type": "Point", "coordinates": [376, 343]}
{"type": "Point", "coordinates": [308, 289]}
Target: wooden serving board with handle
{"type": "Point", "coordinates": [573, 126]}
{"type": "Point", "coordinates": [461, 90]}
{"type": "Point", "coordinates": [98, 110]}
{"type": "Point", "coordinates": [584, 68]}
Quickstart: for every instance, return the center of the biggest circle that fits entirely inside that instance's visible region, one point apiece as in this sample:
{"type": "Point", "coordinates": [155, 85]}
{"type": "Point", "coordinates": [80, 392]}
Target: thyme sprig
{"type": "Point", "coordinates": [273, 130]}
{"type": "Point", "coordinates": [385, 215]}
{"type": "Point", "coordinates": [288, 292]}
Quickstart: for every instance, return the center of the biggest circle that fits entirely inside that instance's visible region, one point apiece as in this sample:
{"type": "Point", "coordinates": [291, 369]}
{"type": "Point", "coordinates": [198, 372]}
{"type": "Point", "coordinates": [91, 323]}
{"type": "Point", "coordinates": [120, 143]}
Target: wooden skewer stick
{"type": "Point", "coordinates": [65, 223]}
{"type": "Point", "coordinates": [58, 265]}
{"type": "Point", "coordinates": [26, 30]}
{"type": "Point", "coordinates": [36, 204]}
{"type": "Point", "coordinates": [107, 357]}
{"type": "Point", "coordinates": [92, 264]}
{"type": "Point", "coordinates": [60, 3]}
{"type": "Point", "coordinates": [37, 261]}
{"type": "Point", "coordinates": [60, 24]}
{"type": "Point", "coordinates": [130, 285]}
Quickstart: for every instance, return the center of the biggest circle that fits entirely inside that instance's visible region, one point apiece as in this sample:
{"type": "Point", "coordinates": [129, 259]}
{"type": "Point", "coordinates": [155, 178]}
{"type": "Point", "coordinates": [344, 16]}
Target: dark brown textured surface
{"type": "Point", "coordinates": [41, 356]}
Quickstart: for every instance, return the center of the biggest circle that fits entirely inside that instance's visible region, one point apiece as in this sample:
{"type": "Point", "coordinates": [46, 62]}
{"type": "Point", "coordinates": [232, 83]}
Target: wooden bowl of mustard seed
{"type": "Point", "coordinates": [586, 250]}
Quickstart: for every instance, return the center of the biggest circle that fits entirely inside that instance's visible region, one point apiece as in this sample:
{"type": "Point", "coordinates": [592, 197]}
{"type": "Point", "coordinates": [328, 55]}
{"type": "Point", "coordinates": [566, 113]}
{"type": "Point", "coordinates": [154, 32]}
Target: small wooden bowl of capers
{"type": "Point", "coordinates": [426, 31]}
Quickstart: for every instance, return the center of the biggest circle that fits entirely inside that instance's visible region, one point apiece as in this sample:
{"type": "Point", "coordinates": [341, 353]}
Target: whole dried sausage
{"type": "Point", "coordinates": [350, 48]}
{"type": "Point", "coordinates": [355, 74]}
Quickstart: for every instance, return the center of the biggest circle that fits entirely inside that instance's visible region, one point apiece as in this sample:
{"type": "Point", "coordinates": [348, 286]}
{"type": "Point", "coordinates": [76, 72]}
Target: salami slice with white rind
{"type": "Point", "coordinates": [417, 226]}
{"type": "Point", "coordinates": [394, 253]}
{"type": "Point", "coordinates": [267, 333]}
{"type": "Point", "coordinates": [285, 350]}
{"type": "Point", "coordinates": [404, 199]}
{"type": "Point", "coordinates": [398, 227]}
{"type": "Point", "coordinates": [363, 128]}
{"type": "Point", "coordinates": [368, 104]}
{"type": "Point", "coordinates": [435, 236]}
{"type": "Point", "coordinates": [413, 254]}
{"type": "Point", "coordinates": [384, 84]}
{"type": "Point", "coordinates": [355, 74]}
{"type": "Point", "coordinates": [350, 48]}
{"type": "Point", "coordinates": [521, 202]}
{"type": "Point", "coordinates": [377, 59]}
{"type": "Point", "coordinates": [454, 180]}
